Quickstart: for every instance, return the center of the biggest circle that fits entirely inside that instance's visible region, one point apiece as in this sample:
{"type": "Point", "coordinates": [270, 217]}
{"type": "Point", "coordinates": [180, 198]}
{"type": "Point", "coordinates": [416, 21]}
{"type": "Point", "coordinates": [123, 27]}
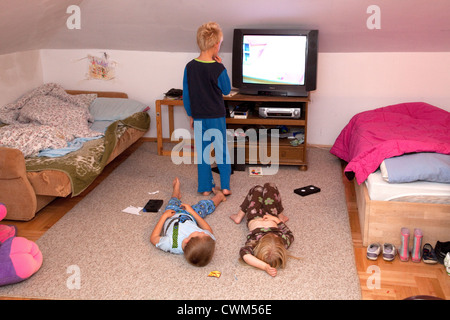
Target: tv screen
{"type": "Point", "coordinates": [275, 62]}
{"type": "Point", "coordinates": [274, 59]}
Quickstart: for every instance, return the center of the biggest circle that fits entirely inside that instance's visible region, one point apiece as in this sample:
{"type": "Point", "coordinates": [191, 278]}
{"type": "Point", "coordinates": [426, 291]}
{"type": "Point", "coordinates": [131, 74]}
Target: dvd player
{"type": "Point", "coordinates": [274, 112]}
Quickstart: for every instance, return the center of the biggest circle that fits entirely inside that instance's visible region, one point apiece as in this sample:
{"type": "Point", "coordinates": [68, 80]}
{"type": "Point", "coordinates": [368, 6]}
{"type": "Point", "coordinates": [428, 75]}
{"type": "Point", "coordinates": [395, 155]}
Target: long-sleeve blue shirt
{"type": "Point", "coordinates": [204, 83]}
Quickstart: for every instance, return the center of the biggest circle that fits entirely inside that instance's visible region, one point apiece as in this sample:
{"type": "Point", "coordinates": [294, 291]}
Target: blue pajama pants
{"type": "Point", "coordinates": [206, 131]}
{"type": "Point", "coordinates": [203, 207]}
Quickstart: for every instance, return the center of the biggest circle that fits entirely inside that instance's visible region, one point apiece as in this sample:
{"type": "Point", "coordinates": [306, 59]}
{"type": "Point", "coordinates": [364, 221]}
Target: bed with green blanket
{"type": "Point", "coordinates": [29, 183]}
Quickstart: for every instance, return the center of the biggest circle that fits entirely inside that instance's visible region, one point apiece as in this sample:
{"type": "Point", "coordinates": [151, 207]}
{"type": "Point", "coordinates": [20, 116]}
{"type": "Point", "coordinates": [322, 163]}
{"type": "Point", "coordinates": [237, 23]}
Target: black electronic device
{"type": "Point", "coordinates": [153, 205]}
{"type": "Point", "coordinates": [241, 109]}
{"type": "Point", "coordinates": [174, 93]}
{"type": "Point", "coordinates": [305, 191]}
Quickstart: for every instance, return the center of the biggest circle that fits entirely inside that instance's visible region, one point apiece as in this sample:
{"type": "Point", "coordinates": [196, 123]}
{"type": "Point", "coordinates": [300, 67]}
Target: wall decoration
{"type": "Point", "coordinates": [101, 68]}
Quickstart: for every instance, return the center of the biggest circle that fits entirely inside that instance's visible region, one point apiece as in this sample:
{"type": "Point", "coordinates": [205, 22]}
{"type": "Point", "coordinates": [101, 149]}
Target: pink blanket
{"type": "Point", "coordinates": [375, 135]}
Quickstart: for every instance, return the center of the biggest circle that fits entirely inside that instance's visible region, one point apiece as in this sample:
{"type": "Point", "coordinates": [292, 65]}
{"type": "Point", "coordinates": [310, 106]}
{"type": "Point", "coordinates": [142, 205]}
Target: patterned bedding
{"type": "Point", "coordinates": [31, 138]}
{"type": "Point", "coordinates": [85, 164]}
{"type": "Point", "coordinates": [46, 117]}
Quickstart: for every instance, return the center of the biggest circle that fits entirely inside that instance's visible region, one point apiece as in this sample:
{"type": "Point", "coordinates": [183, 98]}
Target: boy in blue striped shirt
{"type": "Point", "coordinates": [204, 83]}
{"type": "Point", "coordinates": [182, 229]}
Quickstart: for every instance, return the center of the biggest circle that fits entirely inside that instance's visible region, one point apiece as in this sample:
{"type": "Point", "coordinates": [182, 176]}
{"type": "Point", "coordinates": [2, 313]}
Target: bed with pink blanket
{"type": "Point", "coordinates": [401, 146]}
{"type": "Point", "coordinates": [375, 135]}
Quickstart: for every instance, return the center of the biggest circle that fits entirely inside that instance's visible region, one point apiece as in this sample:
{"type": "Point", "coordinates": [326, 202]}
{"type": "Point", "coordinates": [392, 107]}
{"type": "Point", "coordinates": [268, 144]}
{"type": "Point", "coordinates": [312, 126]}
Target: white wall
{"type": "Point", "coordinates": [348, 83]}
{"type": "Point", "coordinates": [19, 73]}
{"type": "Point", "coordinates": [144, 76]}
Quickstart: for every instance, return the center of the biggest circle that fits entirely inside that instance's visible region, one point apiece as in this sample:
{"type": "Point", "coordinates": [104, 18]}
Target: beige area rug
{"type": "Point", "coordinates": [96, 251]}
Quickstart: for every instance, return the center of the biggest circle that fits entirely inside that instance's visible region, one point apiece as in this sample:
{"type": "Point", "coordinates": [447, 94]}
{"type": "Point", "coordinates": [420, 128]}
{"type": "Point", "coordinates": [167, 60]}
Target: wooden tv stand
{"type": "Point", "coordinates": [288, 154]}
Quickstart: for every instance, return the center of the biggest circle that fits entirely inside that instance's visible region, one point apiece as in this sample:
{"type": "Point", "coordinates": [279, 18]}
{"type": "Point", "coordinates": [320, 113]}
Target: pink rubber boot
{"type": "Point", "coordinates": [416, 254]}
{"type": "Point", "coordinates": [403, 251]}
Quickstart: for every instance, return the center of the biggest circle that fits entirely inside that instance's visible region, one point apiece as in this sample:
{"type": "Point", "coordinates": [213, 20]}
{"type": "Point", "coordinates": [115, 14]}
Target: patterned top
{"type": "Point", "coordinates": [255, 235]}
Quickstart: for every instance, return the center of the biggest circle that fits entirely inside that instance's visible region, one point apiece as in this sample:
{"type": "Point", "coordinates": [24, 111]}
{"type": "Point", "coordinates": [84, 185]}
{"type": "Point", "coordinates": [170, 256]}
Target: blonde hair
{"type": "Point", "coordinates": [199, 250]}
{"type": "Point", "coordinates": [208, 35]}
{"type": "Point", "coordinates": [271, 250]}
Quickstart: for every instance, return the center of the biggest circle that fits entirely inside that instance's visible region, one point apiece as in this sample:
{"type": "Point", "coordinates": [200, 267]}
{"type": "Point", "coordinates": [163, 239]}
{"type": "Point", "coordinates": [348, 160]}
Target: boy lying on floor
{"type": "Point", "coordinates": [182, 229]}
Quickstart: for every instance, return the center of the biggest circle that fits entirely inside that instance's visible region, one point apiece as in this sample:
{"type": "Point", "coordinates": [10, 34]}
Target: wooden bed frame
{"type": "Point", "coordinates": [381, 221]}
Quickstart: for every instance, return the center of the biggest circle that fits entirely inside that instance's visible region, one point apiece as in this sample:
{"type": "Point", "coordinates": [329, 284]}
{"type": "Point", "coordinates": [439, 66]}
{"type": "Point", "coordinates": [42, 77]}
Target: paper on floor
{"type": "Point", "coordinates": [133, 210]}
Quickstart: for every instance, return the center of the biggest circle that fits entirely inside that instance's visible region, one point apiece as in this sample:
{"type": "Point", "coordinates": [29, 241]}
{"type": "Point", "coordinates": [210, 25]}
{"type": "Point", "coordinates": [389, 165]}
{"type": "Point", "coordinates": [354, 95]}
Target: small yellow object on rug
{"type": "Point", "coordinates": [214, 274]}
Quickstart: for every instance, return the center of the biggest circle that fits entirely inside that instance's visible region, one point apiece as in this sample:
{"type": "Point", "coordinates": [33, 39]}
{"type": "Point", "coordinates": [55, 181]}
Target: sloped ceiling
{"type": "Point", "coordinates": [170, 25]}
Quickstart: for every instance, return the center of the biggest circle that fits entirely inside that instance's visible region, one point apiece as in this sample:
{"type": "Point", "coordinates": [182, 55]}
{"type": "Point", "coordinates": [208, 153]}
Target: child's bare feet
{"type": "Point", "coordinates": [176, 189]}
{"type": "Point", "coordinates": [226, 192]}
{"type": "Point", "coordinates": [218, 196]}
{"type": "Point", "coordinates": [237, 217]}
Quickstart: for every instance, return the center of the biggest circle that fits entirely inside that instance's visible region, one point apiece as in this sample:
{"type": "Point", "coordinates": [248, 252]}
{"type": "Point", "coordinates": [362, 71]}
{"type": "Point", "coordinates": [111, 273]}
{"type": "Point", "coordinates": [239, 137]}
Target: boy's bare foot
{"type": "Point", "coordinates": [215, 190]}
{"type": "Point", "coordinates": [218, 196]}
{"type": "Point", "coordinates": [226, 192]}
{"type": "Point", "coordinates": [237, 217]}
{"type": "Point", "coordinates": [176, 189]}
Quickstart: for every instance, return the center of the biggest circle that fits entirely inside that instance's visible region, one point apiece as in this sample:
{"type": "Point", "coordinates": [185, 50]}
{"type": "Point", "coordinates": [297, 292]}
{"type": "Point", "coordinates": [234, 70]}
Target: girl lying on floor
{"type": "Point", "coordinates": [268, 238]}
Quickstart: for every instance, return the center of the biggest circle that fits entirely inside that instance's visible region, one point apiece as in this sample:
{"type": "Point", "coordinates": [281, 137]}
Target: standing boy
{"type": "Point", "coordinates": [204, 83]}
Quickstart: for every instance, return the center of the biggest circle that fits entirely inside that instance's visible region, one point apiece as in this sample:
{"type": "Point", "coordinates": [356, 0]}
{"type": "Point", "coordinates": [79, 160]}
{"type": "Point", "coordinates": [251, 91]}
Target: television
{"type": "Point", "coordinates": [275, 62]}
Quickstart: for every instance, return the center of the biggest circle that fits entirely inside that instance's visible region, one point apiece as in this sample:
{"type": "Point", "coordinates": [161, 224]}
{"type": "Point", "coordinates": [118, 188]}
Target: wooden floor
{"type": "Point", "coordinates": [380, 280]}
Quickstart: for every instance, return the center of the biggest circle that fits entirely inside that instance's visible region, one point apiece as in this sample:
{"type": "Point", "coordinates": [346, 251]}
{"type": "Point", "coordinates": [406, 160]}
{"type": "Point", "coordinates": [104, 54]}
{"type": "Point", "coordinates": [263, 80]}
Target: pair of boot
{"type": "Point", "coordinates": [403, 251]}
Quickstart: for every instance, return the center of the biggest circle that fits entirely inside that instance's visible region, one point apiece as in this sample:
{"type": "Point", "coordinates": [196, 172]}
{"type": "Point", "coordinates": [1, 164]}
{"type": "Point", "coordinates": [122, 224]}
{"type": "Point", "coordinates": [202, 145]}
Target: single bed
{"type": "Point", "coordinates": [420, 198]}
{"type": "Point", "coordinates": [28, 183]}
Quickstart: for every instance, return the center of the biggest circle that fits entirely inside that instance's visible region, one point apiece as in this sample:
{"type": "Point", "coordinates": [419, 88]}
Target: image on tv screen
{"type": "Point", "coordinates": [274, 59]}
